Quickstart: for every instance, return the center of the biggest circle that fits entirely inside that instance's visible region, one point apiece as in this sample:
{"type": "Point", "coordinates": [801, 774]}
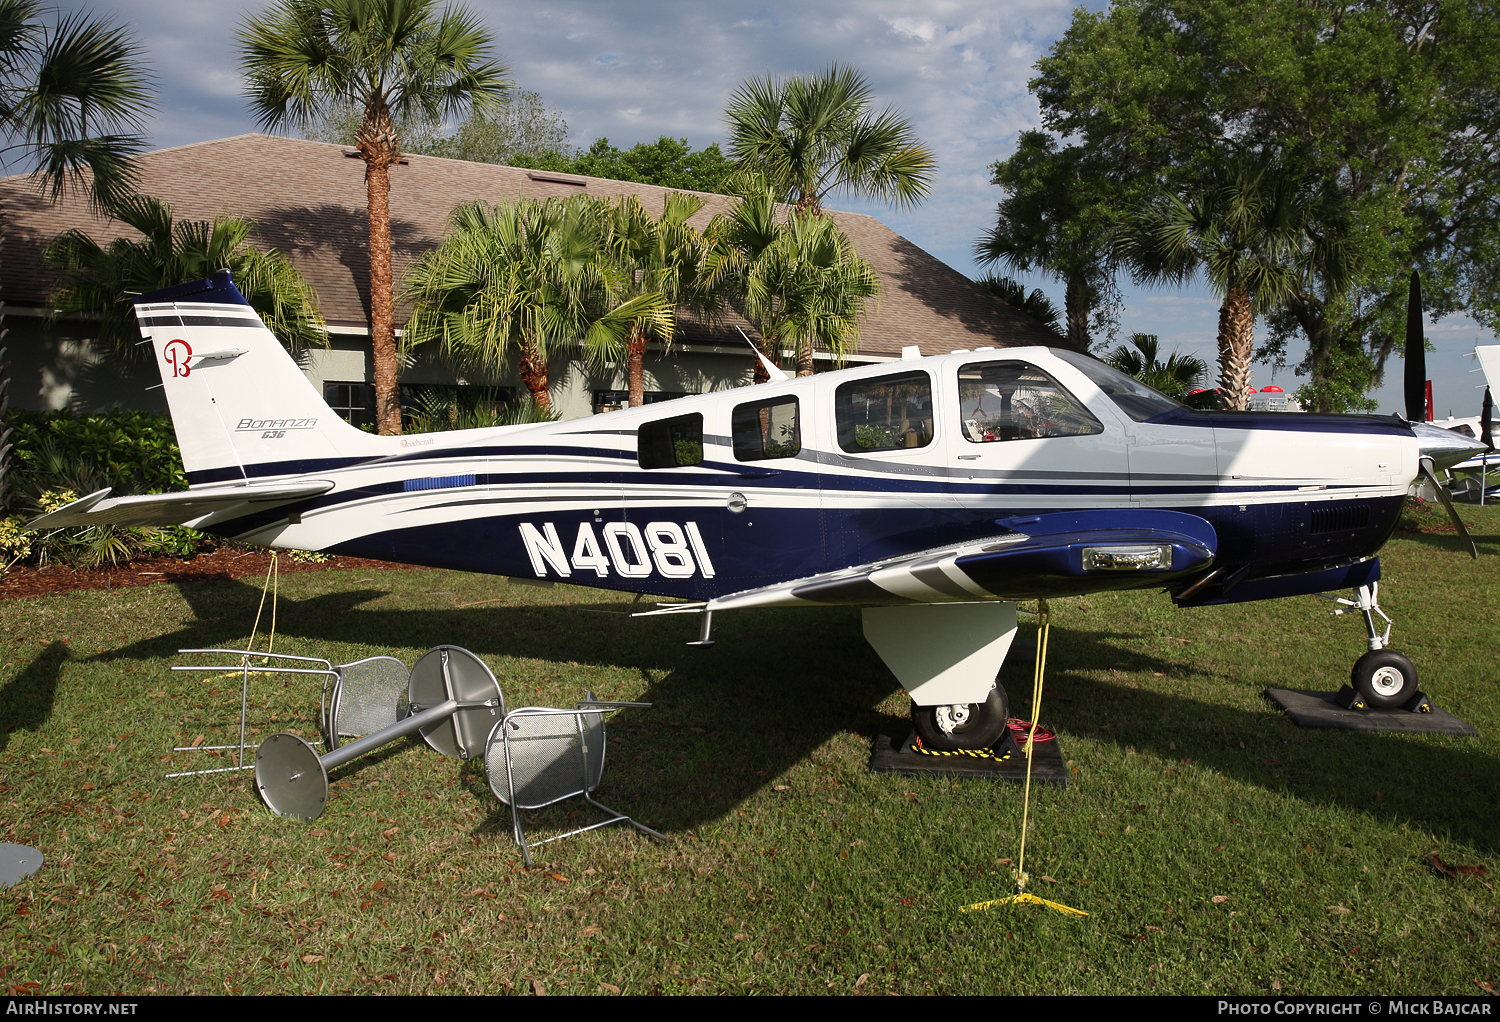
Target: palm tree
{"type": "Point", "coordinates": [531, 276]}
{"type": "Point", "coordinates": [795, 276]}
{"type": "Point", "coordinates": [1174, 377]}
{"type": "Point", "coordinates": [1036, 304]}
{"type": "Point", "coordinates": [663, 255]}
{"type": "Point", "coordinates": [395, 59]}
{"type": "Point", "coordinates": [1248, 227]}
{"type": "Point", "coordinates": [72, 98]}
{"type": "Point", "coordinates": [102, 281]}
{"type": "Point", "coordinates": [810, 136]}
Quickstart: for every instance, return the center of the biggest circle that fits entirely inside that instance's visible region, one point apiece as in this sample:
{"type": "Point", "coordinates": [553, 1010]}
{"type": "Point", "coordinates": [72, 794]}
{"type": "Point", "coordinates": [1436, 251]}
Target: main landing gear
{"type": "Point", "coordinates": [1383, 678]}
{"type": "Point", "coordinates": [946, 656]}
{"type": "Point", "coordinates": [971, 726]}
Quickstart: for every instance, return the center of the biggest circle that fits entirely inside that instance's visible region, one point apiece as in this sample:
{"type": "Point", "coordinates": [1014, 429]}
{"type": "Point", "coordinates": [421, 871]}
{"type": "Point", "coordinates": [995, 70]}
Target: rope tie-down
{"type": "Point", "coordinates": [1022, 896]}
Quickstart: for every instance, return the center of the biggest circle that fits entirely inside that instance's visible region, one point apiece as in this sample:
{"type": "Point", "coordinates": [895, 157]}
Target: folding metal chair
{"type": "Point", "coordinates": [538, 755]}
{"type": "Point", "coordinates": [366, 696]}
{"type": "Point", "coordinates": [359, 698]}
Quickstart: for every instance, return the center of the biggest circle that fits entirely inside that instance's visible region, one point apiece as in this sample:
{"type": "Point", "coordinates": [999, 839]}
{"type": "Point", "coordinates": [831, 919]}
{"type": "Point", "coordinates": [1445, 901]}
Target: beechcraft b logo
{"type": "Point", "coordinates": [674, 551]}
{"type": "Point", "coordinates": [178, 353]}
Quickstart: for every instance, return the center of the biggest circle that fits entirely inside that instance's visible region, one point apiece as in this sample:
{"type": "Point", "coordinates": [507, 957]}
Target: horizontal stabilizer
{"type": "Point", "coordinates": [162, 509]}
{"type": "Point", "coordinates": [1064, 553]}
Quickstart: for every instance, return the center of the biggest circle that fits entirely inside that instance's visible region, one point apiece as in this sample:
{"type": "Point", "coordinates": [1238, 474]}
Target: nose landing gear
{"type": "Point", "coordinates": [1383, 678]}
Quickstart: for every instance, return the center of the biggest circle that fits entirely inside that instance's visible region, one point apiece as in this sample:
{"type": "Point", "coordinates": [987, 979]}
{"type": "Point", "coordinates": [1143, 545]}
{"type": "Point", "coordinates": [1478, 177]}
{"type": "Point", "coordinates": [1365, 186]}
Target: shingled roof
{"type": "Point", "coordinates": [308, 199]}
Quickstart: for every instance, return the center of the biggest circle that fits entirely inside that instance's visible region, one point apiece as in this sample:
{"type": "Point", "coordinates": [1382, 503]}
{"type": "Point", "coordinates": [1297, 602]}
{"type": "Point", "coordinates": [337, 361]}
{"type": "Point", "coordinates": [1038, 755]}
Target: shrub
{"type": "Point", "coordinates": [59, 456]}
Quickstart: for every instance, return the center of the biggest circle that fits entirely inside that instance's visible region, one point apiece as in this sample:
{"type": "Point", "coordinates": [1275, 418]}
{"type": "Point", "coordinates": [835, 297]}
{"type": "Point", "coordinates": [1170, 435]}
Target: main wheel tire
{"type": "Point", "coordinates": [971, 726]}
{"type": "Point", "coordinates": [1385, 678]}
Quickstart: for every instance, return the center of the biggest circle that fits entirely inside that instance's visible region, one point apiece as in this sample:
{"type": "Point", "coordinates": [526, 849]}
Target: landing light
{"type": "Point", "coordinates": [1127, 558]}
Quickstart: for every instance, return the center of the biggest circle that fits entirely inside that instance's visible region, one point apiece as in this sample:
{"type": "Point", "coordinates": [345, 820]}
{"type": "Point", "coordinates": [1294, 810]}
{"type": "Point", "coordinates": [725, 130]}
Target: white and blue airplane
{"type": "Point", "coordinates": [933, 492]}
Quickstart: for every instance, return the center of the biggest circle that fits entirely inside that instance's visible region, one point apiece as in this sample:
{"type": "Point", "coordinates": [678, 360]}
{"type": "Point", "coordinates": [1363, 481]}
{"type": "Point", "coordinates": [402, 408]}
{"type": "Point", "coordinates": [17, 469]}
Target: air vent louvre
{"type": "Point", "coordinates": [1340, 519]}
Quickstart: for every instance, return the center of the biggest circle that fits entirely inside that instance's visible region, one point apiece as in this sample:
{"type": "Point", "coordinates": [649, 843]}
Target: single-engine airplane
{"type": "Point", "coordinates": [932, 492]}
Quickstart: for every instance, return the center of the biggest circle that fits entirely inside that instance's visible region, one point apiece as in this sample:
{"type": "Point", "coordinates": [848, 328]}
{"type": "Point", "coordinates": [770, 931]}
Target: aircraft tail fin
{"type": "Point", "coordinates": [241, 407]}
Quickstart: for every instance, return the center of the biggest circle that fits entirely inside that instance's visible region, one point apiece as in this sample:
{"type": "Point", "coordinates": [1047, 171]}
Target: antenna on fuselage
{"type": "Point", "coordinates": [771, 367]}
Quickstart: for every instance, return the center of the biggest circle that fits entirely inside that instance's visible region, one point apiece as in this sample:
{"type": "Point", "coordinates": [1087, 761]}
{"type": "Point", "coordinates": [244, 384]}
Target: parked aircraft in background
{"type": "Point", "coordinates": [932, 492]}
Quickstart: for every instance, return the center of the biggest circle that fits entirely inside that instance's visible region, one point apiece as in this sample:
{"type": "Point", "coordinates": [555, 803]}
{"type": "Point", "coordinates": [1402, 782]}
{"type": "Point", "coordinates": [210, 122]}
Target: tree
{"type": "Point", "coordinates": [530, 276]}
{"type": "Point", "coordinates": [72, 98]}
{"type": "Point", "coordinates": [1174, 377]}
{"type": "Point", "coordinates": [1057, 217]}
{"type": "Point", "coordinates": [400, 60]}
{"type": "Point", "coordinates": [521, 131]}
{"type": "Point", "coordinates": [103, 280]}
{"type": "Point", "coordinates": [1389, 110]}
{"type": "Point", "coordinates": [1249, 227]}
{"type": "Point", "coordinates": [667, 163]}
{"type": "Point", "coordinates": [793, 274]}
{"type": "Point", "coordinates": [1036, 304]}
{"type": "Point", "coordinates": [665, 256]}
{"type": "Point", "coordinates": [811, 136]}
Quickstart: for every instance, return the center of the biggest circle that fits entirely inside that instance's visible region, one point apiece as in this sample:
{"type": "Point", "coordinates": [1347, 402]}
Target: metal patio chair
{"type": "Point", "coordinates": [361, 697]}
{"type": "Point", "coordinates": [358, 698]}
{"type": "Point", "coordinates": [539, 755]}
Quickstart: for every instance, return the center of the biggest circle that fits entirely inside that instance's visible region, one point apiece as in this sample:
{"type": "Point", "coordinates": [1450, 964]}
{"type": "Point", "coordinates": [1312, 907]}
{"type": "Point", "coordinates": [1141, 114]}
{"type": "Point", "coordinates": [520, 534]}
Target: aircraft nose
{"type": "Point", "coordinates": [1443, 446]}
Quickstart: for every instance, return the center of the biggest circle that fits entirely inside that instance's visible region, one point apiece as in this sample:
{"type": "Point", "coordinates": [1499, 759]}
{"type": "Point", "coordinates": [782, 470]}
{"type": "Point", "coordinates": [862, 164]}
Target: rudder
{"type": "Point", "coordinates": [241, 407]}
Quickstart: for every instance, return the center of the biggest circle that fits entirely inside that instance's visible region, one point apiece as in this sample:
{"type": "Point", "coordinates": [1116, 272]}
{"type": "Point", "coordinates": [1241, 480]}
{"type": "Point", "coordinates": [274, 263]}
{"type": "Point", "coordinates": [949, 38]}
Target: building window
{"type": "Point", "coordinates": [614, 400]}
{"type": "Point", "coordinates": [354, 402]}
{"type": "Point", "coordinates": [767, 429]}
{"type": "Point", "coordinates": [885, 414]}
{"type": "Point", "coordinates": [671, 443]}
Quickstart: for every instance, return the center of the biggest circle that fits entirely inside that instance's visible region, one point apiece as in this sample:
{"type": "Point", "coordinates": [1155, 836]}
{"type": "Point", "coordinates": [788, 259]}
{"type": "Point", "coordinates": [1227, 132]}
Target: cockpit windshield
{"type": "Point", "coordinates": [1133, 397]}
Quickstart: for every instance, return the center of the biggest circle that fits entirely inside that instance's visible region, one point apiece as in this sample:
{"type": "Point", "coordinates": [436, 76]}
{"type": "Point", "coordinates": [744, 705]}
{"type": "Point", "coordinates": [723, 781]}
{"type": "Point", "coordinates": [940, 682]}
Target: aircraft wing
{"type": "Point", "coordinates": [1065, 553]}
{"type": "Point", "coordinates": [161, 509]}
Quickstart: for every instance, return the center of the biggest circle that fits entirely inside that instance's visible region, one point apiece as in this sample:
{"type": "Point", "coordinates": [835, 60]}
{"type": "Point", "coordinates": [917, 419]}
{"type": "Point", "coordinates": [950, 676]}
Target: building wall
{"type": "Point", "coordinates": [56, 365]}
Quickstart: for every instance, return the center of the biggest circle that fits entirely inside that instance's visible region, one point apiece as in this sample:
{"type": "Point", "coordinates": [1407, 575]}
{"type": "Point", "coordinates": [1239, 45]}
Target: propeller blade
{"type": "Point", "coordinates": [1442, 494]}
{"type": "Point", "coordinates": [1486, 421]}
{"type": "Point", "coordinates": [1416, 354]}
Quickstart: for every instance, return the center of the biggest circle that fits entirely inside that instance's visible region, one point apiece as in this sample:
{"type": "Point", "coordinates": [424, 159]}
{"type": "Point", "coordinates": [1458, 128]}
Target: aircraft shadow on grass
{"type": "Point", "coordinates": [26, 701]}
{"type": "Point", "coordinates": [779, 684]}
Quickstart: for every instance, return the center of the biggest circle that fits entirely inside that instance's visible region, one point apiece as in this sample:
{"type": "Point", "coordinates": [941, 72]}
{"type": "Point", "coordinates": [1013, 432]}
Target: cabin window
{"type": "Point", "coordinates": [767, 429]}
{"type": "Point", "coordinates": [1132, 396]}
{"type": "Point", "coordinates": [885, 414]}
{"type": "Point", "coordinates": [1017, 401]}
{"type": "Point", "coordinates": [671, 443]}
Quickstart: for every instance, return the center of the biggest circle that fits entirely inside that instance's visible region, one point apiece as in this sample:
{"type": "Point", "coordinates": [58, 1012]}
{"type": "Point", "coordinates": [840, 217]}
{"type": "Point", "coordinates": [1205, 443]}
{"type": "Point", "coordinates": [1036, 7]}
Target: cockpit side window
{"type": "Point", "coordinates": [765, 430]}
{"type": "Point", "coordinates": [884, 414]}
{"type": "Point", "coordinates": [671, 443]}
{"type": "Point", "coordinates": [1130, 395]}
{"type": "Point", "coordinates": [1017, 401]}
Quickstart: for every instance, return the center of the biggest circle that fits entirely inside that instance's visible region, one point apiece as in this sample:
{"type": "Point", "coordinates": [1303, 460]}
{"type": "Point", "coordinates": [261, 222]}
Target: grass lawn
{"type": "Point", "coordinates": [1218, 847]}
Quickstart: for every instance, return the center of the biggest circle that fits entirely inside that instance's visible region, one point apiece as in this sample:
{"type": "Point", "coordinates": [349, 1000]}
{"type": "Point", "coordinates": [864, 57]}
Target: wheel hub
{"type": "Point", "coordinates": [1387, 681]}
{"type": "Point", "coordinates": [951, 718]}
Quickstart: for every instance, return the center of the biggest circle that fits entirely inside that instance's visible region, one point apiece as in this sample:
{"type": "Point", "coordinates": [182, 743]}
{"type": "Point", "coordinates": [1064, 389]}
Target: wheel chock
{"type": "Point", "coordinates": [1349, 699]}
{"type": "Point", "coordinates": [1418, 704]}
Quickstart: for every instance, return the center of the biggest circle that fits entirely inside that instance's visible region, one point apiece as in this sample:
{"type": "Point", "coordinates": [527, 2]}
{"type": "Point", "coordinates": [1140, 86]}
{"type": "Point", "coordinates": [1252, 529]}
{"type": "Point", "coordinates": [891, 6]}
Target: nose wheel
{"type": "Point", "coordinates": [962, 726]}
{"type": "Point", "coordinates": [1386, 679]}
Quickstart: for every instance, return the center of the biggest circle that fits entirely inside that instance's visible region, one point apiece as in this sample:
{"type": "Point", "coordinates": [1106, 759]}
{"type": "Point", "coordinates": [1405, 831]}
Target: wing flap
{"type": "Point", "coordinates": [1068, 553]}
{"type": "Point", "coordinates": [162, 509]}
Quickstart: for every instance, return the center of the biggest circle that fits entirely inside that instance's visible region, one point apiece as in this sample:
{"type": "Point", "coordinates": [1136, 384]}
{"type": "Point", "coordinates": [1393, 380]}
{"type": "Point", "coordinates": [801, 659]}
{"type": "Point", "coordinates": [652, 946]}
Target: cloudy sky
{"type": "Point", "coordinates": [633, 70]}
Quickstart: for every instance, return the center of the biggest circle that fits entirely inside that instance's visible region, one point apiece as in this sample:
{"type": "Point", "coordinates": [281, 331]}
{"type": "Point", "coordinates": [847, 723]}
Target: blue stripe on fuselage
{"type": "Point", "coordinates": [764, 546]}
